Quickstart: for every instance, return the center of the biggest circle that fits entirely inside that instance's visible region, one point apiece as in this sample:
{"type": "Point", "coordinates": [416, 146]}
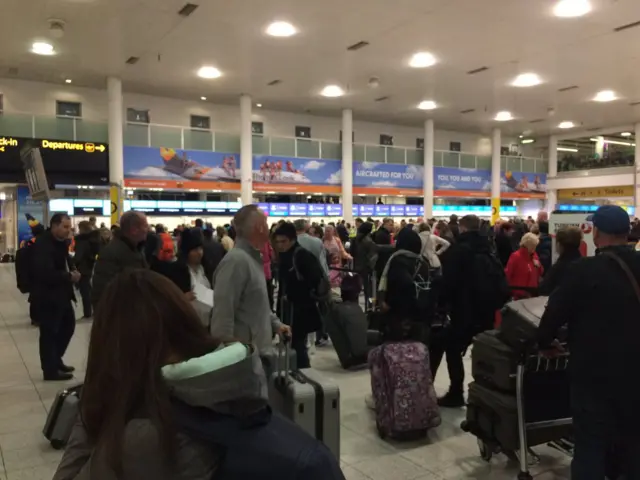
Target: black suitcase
{"type": "Point", "coordinates": [494, 363]}
{"type": "Point", "coordinates": [347, 326]}
{"type": "Point", "coordinates": [492, 416]}
{"type": "Point", "coordinates": [520, 321]}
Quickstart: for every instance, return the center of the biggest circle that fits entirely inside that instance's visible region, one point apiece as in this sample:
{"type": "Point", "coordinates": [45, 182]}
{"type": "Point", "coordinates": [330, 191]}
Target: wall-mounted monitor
{"type": "Point", "coordinates": [412, 210]}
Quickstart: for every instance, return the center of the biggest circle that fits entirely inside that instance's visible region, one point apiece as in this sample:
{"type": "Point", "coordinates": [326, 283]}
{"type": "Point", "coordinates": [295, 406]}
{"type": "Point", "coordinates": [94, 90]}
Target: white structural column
{"type": "Point", "coordinates": [246, 151]}
{"type": "Point", "coordinates": [347, 165]}
{"type": "Point", "coordinates": [116, 146]}
{"type": "Point", "coordinates": [552, 195]}
{"type": "Point", "coordinates": [637, 176]}
{"type": "Point", "coordinates": [427, 175]}
{"type": "Point", "coordinates": [116, 131]}
{"type": "Point", "coordinates": [496, 143]}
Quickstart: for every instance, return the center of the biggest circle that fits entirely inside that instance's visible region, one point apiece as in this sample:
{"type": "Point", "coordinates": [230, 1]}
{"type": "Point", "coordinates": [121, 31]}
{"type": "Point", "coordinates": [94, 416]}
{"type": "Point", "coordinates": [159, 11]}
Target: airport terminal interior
{"type": "Point", "coordinates": [410, 110]}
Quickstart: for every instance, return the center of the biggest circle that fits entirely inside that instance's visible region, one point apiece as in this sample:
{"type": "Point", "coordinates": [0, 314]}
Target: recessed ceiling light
{"type": "Point", "coordinates": [521, 136]}
{"type": "Point", "coordinates": [422, 60]}
{"type": "Point", "coordinates": [209, 72]}
{"type": "Point", "coordinates": [68, 80]}
{"type": "Point", "coordinates": [566, 125]}
{"type": "Point", "coordinates": [572, 8]}
{"type": "Point", "coordinates": [625, 134]}
{"type": "Point", "coordinates": [43, 48]}
{"type": "Point", "coordinates": [203, 98]}
{"type": "Point", "coordinates": [281, 29]}
{"type": "Point", "coordinates": [526, 80]}
{"type": "Point", "coordinates": [259, 105]}
{"type": "Point", "coordinates": [332, 91]}
{"type": "Point", "coordinates": [605, 96]}
{"type": "Point", "coordinates": [503, 116]}
{"type": "Point", "coordinates": [528, 140]}
{"type": "Point", "coordinates": [427, 105]}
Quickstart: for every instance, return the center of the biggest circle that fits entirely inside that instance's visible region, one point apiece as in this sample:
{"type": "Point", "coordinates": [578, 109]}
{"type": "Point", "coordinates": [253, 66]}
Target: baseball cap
{"type": "Point", "coordinates": [611, 219]}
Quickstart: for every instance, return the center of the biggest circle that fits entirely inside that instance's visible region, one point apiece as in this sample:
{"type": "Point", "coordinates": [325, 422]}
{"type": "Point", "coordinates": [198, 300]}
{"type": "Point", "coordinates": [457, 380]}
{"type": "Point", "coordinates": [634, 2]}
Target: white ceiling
{"type": "Point", "coordinates": [508, 36]}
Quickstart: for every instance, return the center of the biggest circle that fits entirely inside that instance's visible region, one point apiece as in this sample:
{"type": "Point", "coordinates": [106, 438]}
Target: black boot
{"type": "Point", "coordinates": [452, 400]}
{"type": "Point", "coordinates": [66, 368]}
{"type": "Point", "coordinates": [58, 377]}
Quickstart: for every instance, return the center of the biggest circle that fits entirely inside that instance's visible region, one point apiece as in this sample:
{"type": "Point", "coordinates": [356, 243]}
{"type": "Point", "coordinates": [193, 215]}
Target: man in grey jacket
{"type": "Point", "coordinates": [313, 244]}
{"type": "Point", "coordinates": [240, 302]}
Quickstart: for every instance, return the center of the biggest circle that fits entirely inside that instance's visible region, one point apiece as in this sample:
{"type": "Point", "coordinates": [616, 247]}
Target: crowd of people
{"type": "Point", "coordinates": [152, 341]}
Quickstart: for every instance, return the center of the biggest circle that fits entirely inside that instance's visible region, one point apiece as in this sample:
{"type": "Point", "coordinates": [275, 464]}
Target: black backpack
{"type": "Point", "coordinates": [489, 282]}
{"type": "Point", "coordinates": [23, 267]}
{"type": "Point", "coordinates": [321, 292]}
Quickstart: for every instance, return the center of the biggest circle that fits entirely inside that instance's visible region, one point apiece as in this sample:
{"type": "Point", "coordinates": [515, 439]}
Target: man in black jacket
{"type": "Point", "coordinates": [124, 251]}
{"type": "Point", "coordinates": [599, 300]}
{"type": "Point", "coordinates": [544, 247]}
{"type": "Point", "coordinates": [474, 286]}
{"type": "Point", "coordinates": [213, 253]}
{"type": "Point", "coordinates": [382, 238]}
{"type": "Point", "coordinates": [52, 293]}
{"type": "Point", "coordinates": [299, 273]}
{"type": "Point", "coordinates": [86, 249]}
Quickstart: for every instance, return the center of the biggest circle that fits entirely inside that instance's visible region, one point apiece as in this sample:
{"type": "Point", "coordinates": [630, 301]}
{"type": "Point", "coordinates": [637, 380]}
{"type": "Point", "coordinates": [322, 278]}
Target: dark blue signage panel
{"type": "Point", "coordinates": [367, 210]}
{"type": "Point", "coordinates": [412, 210]}
{"type": "Point", "coordinates": [334, 210]}
{"type": "Point", "coordinates": [382, 210]}
{"type": "Point", "coordinates": [397, 210]}
{"type": "Point", "coordinates": [317, 209]}
{"type": "Point", "coordinates": [298, 209]}
{"type": "Point", "coordinates": [264, 207]}
{"type": "Point", "coordinates": [279, 209]}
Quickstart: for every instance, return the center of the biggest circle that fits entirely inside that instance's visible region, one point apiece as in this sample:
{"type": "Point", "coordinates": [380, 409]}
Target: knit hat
{"type": "Point", "coordinates": [190, 239]}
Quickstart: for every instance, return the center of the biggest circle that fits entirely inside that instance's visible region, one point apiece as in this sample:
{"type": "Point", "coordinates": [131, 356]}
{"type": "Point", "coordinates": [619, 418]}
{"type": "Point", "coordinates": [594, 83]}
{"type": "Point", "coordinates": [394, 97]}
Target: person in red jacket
{"type": "Point", "coordinates": [524, 268]}
{"type": "Point", "coordinates": [167, 251]}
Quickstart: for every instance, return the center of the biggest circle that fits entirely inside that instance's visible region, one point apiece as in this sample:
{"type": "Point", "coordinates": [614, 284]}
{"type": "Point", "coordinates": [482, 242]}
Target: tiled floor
{"type": "Point", "coordinates": [448, 453]}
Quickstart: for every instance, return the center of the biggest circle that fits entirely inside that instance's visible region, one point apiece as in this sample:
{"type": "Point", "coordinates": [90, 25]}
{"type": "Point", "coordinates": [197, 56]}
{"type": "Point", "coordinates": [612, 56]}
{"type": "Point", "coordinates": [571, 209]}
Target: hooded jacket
{"type": "Point", "coordinates": [86, 250]}
{"type": "Point", "coordinates": [364, 251]}
{"type": "Point", "coordinates": [229, 381]}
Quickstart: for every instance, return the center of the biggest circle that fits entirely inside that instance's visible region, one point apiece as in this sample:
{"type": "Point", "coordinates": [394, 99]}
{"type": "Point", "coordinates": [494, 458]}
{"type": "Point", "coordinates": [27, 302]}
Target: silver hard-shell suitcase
{"type": "Point", "coordinates": [308, 399]}
{"type": "Point", "coordinates": [62, 416]}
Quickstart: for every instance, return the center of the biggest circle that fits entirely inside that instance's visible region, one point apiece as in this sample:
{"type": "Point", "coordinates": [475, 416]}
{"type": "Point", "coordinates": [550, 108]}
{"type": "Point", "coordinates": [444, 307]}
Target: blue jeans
{"type": "Point", "coordinates": [601, 422]}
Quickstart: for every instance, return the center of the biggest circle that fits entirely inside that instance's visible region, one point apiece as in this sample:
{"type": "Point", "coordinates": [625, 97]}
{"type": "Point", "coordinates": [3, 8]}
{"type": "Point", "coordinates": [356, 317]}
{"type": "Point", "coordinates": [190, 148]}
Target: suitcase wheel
{"type": "Point", "coordinates": [57, 444]}
{"type": "Point", "coordinates": [486, 450]}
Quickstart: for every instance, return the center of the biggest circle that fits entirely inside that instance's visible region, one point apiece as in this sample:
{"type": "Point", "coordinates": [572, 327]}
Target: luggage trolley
{"type": "Point", "coordinates": [543, 411]}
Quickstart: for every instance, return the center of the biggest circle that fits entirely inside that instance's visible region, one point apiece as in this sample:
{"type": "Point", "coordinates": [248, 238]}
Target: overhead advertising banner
{"type": "Point", "coordinates": [170, 168]}
{"type": "Point", "coordinates": [469, 182]}
{"type": "Point", "coordinates": [303, 175]}
{"type": "Point", "coordinates": [65, 162]}
{"type": "Point", "coordinates": [147, 167]}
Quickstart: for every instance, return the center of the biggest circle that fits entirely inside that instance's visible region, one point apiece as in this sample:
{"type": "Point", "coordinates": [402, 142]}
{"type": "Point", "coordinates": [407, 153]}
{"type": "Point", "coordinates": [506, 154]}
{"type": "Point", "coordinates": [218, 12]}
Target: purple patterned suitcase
{"type": "Point", "coordinates": [402, 386]}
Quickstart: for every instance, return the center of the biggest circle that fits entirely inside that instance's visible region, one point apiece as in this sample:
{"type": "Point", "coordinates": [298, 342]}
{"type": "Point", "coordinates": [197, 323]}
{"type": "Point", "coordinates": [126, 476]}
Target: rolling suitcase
{"type": "Point", "coordinates": [520, 321]}
{"type": "Point", "coordinates": [347, 325]}
{"type": "Point", "coordinates": [62, 416]}
{"type": "Point", "coordinates": [492, 416]}
{"type": "Point", "coordinates": [402, 385]}
{"type": "Point", "coordinates": [306, 398]}
{"type": "Point", "coordinates": [270, 361]}
{"type": "Point", "coordinates": [493, 362]}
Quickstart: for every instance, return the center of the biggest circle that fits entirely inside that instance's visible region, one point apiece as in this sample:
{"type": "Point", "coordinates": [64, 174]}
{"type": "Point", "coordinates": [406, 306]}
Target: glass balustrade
{"type": "Point", "coordinates": [152, 135]}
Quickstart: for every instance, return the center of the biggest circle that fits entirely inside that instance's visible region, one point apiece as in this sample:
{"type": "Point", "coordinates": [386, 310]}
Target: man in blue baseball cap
{"type": "Point", "coordinates": [599, 300]}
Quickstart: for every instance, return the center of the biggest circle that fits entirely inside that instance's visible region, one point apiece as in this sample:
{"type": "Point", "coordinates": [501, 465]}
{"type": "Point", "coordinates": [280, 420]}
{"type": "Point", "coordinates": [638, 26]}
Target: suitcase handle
{"type": "Point", "coordinates": [284, 343]}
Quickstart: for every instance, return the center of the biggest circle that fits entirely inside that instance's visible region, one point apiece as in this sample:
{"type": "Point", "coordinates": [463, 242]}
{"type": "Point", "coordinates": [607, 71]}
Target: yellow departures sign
{"type": "Point", "coordinates": [56, 145]}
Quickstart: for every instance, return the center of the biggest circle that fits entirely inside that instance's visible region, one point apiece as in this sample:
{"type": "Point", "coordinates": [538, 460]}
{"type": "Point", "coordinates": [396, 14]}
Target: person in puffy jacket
{"type": "Point", "coordinates": [148, 349]}
{"type": "Point", "coordinates": [524, 268]}
{"type": "Point", "coordinates": [166, 252]}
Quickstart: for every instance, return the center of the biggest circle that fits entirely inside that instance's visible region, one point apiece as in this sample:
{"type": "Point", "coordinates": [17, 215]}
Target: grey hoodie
{"type": "Point", "coordinates": [230, 381]}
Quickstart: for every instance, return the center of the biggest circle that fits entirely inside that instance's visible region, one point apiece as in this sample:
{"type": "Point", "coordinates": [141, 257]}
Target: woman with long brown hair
{"type": "Point", "coordinates": [148, 349]}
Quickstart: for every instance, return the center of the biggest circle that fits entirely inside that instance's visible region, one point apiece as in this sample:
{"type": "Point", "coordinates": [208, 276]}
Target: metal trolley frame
{"type": "Point", "coordinates": [530, 365]}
